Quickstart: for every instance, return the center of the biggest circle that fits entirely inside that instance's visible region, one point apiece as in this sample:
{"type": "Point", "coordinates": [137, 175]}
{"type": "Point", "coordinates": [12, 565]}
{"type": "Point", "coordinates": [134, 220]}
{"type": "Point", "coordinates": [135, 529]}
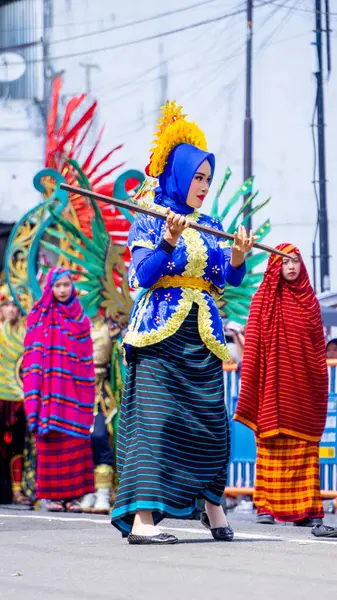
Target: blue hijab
{"type": "Point", "coordinates": [175, 181]}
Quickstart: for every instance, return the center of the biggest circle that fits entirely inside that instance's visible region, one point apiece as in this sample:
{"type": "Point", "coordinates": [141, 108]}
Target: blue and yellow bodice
{"type": "Point", "coordinates": [195, 272]}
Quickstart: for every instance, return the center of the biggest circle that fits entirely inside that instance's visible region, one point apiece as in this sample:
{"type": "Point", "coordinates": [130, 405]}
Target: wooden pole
{"type": "Point", "coordinates": [153, 213]}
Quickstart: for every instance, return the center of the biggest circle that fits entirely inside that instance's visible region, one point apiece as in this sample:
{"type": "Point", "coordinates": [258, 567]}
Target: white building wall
{"type": "Point", "coordinates": [21, 124]}
{"type": "Point", "coordinates": [206, 74]}
{"type": "Point", "coordinates": [21, 156]}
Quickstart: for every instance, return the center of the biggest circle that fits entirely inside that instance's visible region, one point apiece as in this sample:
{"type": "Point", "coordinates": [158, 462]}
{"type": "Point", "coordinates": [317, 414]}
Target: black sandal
{"type": "Point", "coordinates": [220, 534]}
{"type": "Point", "coordinates": [54, 506]}
{"type": "Point", "coordinates": [160, 539]}
{"type": "Point", "coordinates": [324, 531]}
{"type": "Point", "coordinates": [265, 519]}
{"type": "Point", "coordinates": [22, 500]}
{"type": "Point", "coordinates": [73, 506]}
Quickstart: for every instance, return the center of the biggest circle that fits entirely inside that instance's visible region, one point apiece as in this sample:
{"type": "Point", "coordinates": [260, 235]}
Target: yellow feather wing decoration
{"type": "Point", "coordinates": [11, 352]}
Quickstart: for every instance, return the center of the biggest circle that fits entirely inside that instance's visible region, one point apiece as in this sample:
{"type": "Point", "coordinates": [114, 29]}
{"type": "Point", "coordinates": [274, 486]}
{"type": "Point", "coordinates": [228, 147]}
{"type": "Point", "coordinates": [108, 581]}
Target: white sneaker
{"type": "Point", "coordinates": [88, 501]}
{"type": "Point", "coordinates": [103, 499]}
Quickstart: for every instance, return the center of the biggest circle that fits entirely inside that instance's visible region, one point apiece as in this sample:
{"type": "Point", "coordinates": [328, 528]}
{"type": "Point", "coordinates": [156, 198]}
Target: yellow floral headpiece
{"type": "Point", "coordinates": [172, 129]}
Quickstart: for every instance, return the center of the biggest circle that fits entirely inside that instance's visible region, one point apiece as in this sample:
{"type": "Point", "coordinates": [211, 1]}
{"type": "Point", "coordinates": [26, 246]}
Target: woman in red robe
{"type": "Point", "coordinates": [284, 392]}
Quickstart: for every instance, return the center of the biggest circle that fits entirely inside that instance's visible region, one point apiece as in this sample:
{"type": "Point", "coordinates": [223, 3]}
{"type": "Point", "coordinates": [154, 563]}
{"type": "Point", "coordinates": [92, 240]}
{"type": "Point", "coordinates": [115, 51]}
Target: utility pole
{"type": "Point", "coordinates": [163, 77]}
{"type": "Point", "coordinates": [322, 211]}
{"type": "Point", "coordinates": [47, 24]}
{"type": "Point", "coordinates": [248, 123]}
{"type": "Point", "coordinates": [49, 74]}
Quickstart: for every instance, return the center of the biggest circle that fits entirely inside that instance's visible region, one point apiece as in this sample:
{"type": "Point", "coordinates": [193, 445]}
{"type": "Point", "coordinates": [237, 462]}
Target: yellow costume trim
{"type": "Point", "coordinates": [104, 398]}
{"type": "Point", "coordinates": [206, 331]}
{"type": "Point", "coordinates": [16, 487]}
{"type": "Point", "coordinates": [5, 294]}
{"type": "Point", "coordinates": [196, 254]}
{"type": "Point", "coordinates": [173, 129]}
{"type": "Point", "coordinates": [181, 281]}
{"type": "Point", "coordinates": [189, 296]}
{"type": "Point", "coordinates": [11, 353]}
{"type": "Point", "coordinates": [148, 244]}
{"type": "Point", "coordinates": [194, 271]}
{"type": "Point", "coordinates": [224, 245]}
{"type": "Point", "coordinates": [103, 477]}
{"type": "Point", "coordinates": [217, 291]}
{"type": "Point", "coordinates": [193, 216]}
{"type": "Point", "coordinates": [143, 244]}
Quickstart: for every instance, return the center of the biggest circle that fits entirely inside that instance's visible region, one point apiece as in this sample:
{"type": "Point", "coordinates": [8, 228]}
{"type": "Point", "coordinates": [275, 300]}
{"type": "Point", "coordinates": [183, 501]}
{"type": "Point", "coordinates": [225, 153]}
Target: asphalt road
{"type": "Point", "coordinates": [54, 557]}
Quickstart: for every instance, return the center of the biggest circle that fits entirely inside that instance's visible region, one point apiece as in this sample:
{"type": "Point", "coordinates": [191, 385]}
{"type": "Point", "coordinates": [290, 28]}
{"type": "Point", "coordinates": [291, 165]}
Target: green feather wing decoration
{"type": "Point", "coordinates": [235, 302]}
{"type": "Point", "coordinates": [96, 262]}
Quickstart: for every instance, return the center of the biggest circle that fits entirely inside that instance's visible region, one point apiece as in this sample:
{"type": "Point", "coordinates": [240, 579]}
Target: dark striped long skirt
{"type": "Point", "coordinates": [173, 440]}
{"type": "Point", "coordinates": [65, 468]}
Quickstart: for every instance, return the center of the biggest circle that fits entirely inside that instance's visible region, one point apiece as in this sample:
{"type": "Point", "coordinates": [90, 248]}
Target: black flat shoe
{"type": "Point", "coordinates": [162, 538]}
{"type": "Point", "coordinates": [308, 522]}
{"type": "Point", "coordinates": [265, 520]}
{"type": "Point", "coordinates": [221, 534]}
{"type": "Point", "coordinates": [324, 531]}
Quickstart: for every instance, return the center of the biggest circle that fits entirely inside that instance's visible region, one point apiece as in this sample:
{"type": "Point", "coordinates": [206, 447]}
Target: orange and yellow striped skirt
{"type": "Point", "coordinates": [287, 484]}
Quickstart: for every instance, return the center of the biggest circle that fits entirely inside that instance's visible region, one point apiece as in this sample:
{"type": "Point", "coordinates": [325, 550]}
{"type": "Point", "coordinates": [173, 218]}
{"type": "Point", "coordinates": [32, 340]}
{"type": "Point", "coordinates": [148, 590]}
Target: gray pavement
{"type": "Point", "coordinates": [53, 557]}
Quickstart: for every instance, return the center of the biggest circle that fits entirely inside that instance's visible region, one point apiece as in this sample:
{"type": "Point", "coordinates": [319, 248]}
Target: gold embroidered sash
{"type": "Point", "coordinates": [183, 281]}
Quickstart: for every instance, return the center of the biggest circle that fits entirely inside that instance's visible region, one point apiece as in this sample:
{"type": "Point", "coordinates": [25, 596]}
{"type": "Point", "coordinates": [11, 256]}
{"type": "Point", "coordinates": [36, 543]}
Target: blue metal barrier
{"type": "Point", "coordinates": [243, 448]}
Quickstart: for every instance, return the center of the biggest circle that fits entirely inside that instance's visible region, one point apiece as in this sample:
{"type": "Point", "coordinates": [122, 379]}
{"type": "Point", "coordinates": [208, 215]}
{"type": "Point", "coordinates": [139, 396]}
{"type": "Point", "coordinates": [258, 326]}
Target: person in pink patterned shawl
{"type": "Point", "coordinates": [59, 393]}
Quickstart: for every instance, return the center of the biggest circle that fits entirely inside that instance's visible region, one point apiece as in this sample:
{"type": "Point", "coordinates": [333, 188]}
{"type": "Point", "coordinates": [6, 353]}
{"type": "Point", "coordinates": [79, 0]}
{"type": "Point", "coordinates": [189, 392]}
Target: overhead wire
{"type": "Point", "coordinates": [312, 11]}
{"type": "Point", "coordinates": [227, 88]}
{"type": "Point", "coordinates": [198, 67]}
{"type": "Point", "coordinates": [131, 85]}
{"type": "Point", "coordinates": [152, 37]}
{"type": "Point", "coordinates": [178, 54]}
{"type": "Point", "coordinates": [206, 51]}
{"type": "Point", "coordinates": [213, 75]}
{"type": "Point", "coordinates": [280, 25]}
{"type": "Point", "coordinates": [134, 23]}
{"type": "Point", "coordinates": [115, 27]}
{"type": "Point", "coordinates": [215, 72]}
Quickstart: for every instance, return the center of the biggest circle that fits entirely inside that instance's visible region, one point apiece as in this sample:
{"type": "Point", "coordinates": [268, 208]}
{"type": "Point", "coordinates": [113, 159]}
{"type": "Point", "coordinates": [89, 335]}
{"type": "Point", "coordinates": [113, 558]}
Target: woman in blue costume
{"type": "Point", "coordinates": [173, 442]}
